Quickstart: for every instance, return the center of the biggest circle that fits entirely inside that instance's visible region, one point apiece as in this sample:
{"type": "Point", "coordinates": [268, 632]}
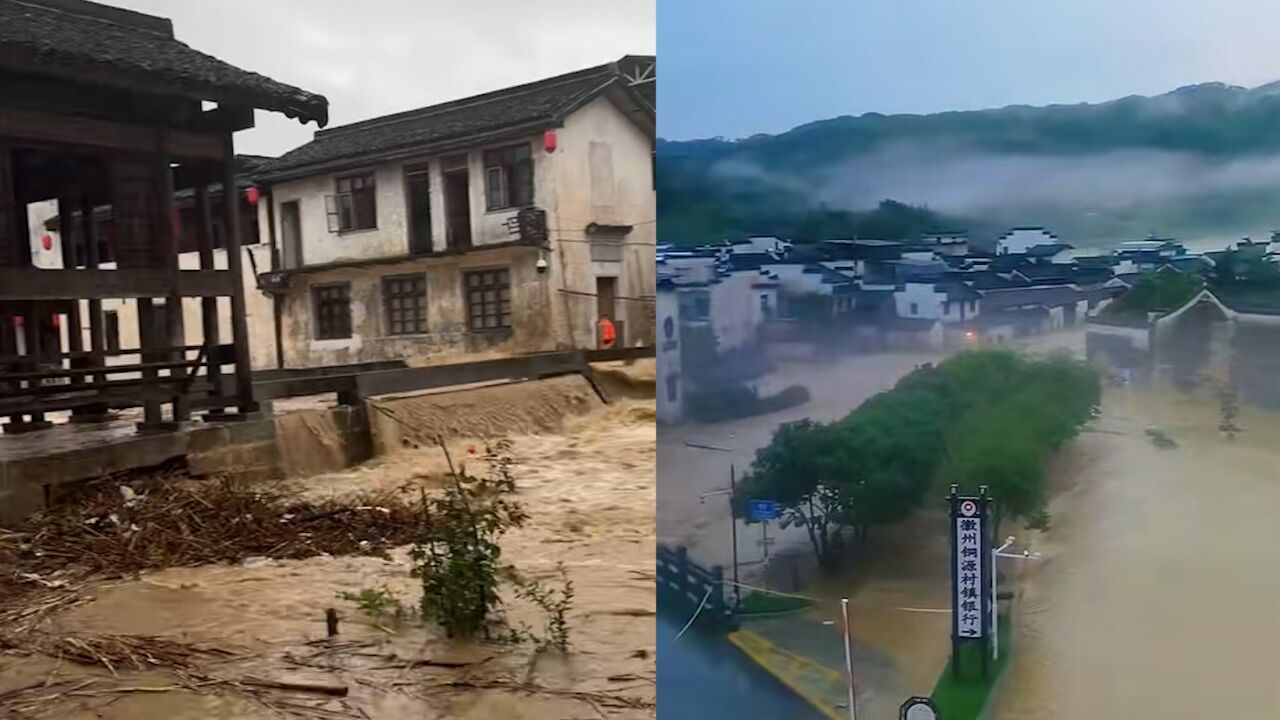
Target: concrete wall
{"type": "Point", "coordinates": [670, 387]}
{"type": "Point", "coordinates": [447, 332]}
{"type": "Point", "coordinates": [932, 303]}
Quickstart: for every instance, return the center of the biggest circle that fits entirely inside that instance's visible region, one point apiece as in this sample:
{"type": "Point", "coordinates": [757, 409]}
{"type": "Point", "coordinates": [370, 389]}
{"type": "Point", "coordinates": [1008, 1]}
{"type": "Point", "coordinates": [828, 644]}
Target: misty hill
{"type": "Point", "coordinates": [1201, 160]}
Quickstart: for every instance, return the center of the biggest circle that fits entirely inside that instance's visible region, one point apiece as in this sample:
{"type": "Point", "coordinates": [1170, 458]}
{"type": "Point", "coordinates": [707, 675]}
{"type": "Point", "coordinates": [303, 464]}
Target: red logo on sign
{"type": "Point", "coordinates": [968, 508]}
{"type": "Point", "coordinates": [46, 242]}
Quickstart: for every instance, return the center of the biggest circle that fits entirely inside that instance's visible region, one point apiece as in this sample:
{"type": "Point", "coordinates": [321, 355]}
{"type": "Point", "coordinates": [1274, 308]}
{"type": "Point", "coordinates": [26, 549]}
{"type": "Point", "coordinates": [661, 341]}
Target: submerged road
{"type": "Point", "coordinates": [1159, 592]}
{"type": "Point", "coordinates": [702, 677]}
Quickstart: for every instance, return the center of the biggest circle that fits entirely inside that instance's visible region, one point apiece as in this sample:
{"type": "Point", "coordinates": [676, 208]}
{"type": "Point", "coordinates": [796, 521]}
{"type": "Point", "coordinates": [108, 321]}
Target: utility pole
{"type": "Point", "coordinates": [733, 514]}
{"type": "Point", "coordinates": [733, 526]}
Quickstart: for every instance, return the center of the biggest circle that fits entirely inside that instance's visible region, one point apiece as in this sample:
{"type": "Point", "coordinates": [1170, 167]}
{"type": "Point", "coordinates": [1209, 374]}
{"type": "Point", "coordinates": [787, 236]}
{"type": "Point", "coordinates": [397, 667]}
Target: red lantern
{"type": "Point", "coordinates": [549, 141]}
{"type": "Point", "coordinates": [252, 195]}
{"type": "Point", "coordinates": [46, 242]}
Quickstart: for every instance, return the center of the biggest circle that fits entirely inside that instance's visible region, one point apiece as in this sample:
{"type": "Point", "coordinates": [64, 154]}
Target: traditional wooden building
{"type": "Point", "coordinates": [101, 106]}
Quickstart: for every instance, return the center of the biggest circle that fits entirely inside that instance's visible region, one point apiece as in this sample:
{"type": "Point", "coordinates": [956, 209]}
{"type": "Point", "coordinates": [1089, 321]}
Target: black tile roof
{"type": "Point", "coordinates": [1020, 316]}
{"type": "Point", "coordinates": [531, 106]}
{"type": "Point", "coordinates": [1047, 250]}
{"type": "Point", "coordinates": [1029, 297]}
{"type": "Point", "coordinates": [988, 280]}
{"type": "Point", "coordinates": [129, 49]}
{"type": "Point", "coordinates": [1054, 271]}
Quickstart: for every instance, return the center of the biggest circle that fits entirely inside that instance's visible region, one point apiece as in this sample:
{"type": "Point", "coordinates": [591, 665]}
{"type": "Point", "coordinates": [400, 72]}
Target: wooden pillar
{"type": "Point", "coordinates": [168, 241]}
{"type": "Point", "coordinates": [209, 305]}
{"type": "Point", "coordinates": [152, 419]}
{"type": "Point", "coordinates": [75, 331]}
{"type": "Point", "coordinates": [97, 331]}
{"type": "Point", "coordinates": [235, 263]}
{"type": "Point", "coordinates": [38, 317]}
{"type": "Point", "coordinates": [8, 258]}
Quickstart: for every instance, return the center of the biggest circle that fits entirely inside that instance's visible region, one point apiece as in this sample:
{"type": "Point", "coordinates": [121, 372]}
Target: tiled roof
{"type": "Point", "coordinates": [1040, 271]}
{"type": "Point", "coordinates": [1029, 297]}
{"type": "Point", "coordinates": [122, 47]}
{"type": "Point", "coordinates": [1047, 250]}
{"type": "Point", "coordinates": [534, 105]}
{"type": "Point", "coordinates": [1012, 317]}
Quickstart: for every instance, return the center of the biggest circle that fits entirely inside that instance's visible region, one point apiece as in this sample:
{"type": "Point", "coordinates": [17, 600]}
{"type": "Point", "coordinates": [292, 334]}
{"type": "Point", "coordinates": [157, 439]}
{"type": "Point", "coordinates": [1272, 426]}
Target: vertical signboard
{"type": "Point", "coordinates": [971, 573]}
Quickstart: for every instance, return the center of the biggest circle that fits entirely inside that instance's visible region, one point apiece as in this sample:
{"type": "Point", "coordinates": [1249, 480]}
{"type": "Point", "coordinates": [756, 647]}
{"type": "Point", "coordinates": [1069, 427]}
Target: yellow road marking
{"type": "Point", "coordinates": [791, 670]}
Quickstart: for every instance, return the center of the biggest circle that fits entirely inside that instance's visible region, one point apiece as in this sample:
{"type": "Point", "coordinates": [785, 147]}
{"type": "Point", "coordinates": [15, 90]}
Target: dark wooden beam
{"type": "Point", "coordinates": [209, 305]}
{"type": "Point", "coordinates": [224, 118]}
{"type": "Point", "coordinates": [35, 284]}
{"type": "Point", "coordinates": [87, 132]}
{"type": "Point", "coordinates": [235, 264]}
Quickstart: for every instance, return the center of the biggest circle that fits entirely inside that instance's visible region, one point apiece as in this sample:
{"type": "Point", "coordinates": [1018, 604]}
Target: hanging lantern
{"type": "Point", "coordinates": [252, 195]}
{"type": "Point", "coordinates": [549, 141]}
{"type": "Point", "coordinates": [46, 242]}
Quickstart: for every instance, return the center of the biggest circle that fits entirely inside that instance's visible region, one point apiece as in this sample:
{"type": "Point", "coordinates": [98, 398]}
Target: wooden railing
{"type": "Point", "coordinates": [31, 385]}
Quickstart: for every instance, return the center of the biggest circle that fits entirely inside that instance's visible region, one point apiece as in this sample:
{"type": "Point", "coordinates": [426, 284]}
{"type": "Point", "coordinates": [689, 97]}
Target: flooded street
{"type": "Point", "coordinates": [1159, 594]}
{"type": "Point", "coordinates": [693, 505]}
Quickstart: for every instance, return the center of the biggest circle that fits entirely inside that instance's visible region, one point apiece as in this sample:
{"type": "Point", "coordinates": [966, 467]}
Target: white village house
{"type": "Point", "coordinates": [509, 221]}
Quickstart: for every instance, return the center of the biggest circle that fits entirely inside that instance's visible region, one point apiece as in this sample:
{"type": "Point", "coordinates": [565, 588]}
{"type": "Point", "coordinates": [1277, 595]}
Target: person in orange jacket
{"type": "Point", "coordinates": [608, 333]}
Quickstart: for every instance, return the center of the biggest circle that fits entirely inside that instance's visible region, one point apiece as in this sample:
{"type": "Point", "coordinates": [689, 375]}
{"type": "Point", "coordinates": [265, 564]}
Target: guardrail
{"type": "Point", "coordinates": [692, 590]}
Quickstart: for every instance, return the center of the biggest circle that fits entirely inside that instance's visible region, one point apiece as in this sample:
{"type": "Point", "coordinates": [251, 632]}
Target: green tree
{"type": "Point", "coordinates": [1158, 292]}
{"type": "Point", "coordinates": [789, 470]}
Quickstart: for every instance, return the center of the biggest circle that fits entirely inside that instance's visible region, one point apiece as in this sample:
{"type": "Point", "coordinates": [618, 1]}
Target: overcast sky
{"type": "Point", "coordinates": [739, 67]}
{"type": "Point", "coordinates": [373, 57]}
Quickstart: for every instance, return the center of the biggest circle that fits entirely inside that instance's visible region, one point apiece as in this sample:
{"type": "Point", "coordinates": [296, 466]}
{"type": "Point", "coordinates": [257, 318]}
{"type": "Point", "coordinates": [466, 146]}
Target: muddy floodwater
{"type": "Point", "coordinates": [589, 491]}
{"type": "Point", "coordinates": [1159, 591]}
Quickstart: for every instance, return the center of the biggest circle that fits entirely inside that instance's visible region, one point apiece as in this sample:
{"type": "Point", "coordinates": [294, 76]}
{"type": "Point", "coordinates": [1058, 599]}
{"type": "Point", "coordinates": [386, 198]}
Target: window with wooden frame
{"type": "Point", "coordinates": [355, 205]}
{"type": "Point", "coordinates": [405, 300]}
{"type": "Point", "coordinates": [332, 304]}
{"type": "Point", "coordinates": [508, 177]}
{"type": "Point", "coordinates": [488, 299]}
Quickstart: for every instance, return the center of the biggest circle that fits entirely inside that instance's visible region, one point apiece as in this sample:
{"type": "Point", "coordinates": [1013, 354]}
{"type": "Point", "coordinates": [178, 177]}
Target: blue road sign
{"type": "Point", "coordinates": [763, 510]}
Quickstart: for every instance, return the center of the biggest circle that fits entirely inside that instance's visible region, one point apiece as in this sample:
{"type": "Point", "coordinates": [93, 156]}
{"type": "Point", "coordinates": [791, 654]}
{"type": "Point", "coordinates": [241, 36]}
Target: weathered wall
{"type": "Point", "coordinates": [670, 388]}
{"type": "Point", "coordinates": [447, 332]}
{"type": "Point", "coordinates": [734, 310]}
{"type": "Point", "coordinates": [391, 236]}
{"type": "Point", "coordinates": [603, 173]}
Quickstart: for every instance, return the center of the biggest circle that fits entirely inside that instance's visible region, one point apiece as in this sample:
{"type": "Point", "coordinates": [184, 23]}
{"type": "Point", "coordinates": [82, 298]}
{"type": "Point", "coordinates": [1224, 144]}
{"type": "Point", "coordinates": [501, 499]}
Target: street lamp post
{"type": "Point", "coordinates": [995, 594]}
{"type": "Point", "coordinates": [733, 518]}
{"type": "Point", "coordinates": [848, 658]}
